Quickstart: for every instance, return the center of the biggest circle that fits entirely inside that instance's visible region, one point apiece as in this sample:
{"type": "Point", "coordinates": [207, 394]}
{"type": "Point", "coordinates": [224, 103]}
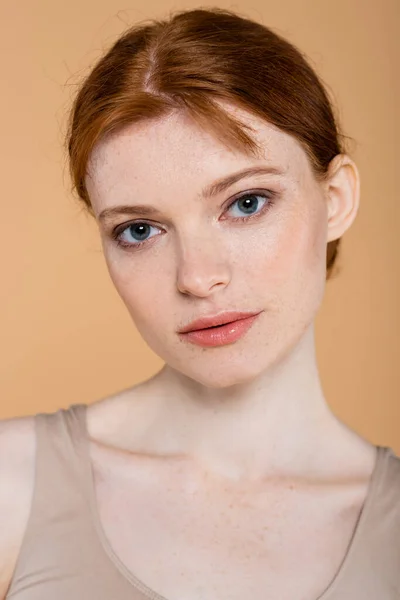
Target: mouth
{"type": "Point", "coordinates": [222, 334]}
{"type": "Point", "coordinates": [218, 320]}
{"type": "Point", "coordinates": [216, 326]}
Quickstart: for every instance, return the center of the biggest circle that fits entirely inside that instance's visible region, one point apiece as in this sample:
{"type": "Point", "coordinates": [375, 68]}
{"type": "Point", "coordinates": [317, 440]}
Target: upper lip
{"type": "Point", "coordinates": [219, 319]}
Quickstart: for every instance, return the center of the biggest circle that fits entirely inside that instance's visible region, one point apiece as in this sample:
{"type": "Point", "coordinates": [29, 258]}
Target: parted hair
{"type": "Point", "coordinates": [188, 62]}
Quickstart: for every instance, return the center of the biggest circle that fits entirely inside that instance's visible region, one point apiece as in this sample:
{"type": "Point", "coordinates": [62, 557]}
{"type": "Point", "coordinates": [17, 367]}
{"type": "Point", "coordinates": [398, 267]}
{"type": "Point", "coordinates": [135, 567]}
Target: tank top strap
{"type": "Point", "coordinates": [59, 538]}
{"type": "Point", "coordinates": [61, 489]}
{"type": "Point", "coordinates": [387, 501]}
{"type": "Point", "coordinates": [61, 481]}
{"type": "Point", "coordinates": [62, 555]}
{"type": "Point", "coordinates": [380, 546]}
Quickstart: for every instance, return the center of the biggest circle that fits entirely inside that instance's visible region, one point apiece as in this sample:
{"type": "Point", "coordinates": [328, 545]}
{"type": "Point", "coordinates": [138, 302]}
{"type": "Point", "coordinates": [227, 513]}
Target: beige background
{"type": "Point", "coordinates": [66, 337]}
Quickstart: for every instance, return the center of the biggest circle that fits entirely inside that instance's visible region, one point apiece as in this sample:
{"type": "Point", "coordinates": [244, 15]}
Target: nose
{"type": "Point", "coordinates": [202, 267]}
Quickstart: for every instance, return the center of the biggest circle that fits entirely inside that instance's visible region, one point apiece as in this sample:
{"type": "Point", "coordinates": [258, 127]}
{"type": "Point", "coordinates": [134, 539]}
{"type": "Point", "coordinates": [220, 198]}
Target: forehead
{"type": "Point", "coordinates": [176, 150]}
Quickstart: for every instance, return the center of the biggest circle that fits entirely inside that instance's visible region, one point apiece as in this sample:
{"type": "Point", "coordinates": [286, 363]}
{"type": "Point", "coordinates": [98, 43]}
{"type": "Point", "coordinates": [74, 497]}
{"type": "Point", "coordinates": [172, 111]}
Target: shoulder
{"type": "Point", "coordinates": [386, 489]}
{"type": "Point", "coordinates": [391, 481]}
{"type": "Point", "coordinates": [17, 467]}
{"type": "Point", "coordinates": [381, 530]}
{"type": "Point", "coordinates": [383, 508]}
{"type": "Point", "coordinates": [124, 417]}
{"type": "Point", "coordinates": [393, 460]}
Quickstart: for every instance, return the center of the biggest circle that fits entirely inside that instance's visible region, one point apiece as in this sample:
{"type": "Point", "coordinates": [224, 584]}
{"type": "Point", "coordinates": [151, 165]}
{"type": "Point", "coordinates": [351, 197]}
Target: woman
{"type": "Point", "coordinates": [207, 150]}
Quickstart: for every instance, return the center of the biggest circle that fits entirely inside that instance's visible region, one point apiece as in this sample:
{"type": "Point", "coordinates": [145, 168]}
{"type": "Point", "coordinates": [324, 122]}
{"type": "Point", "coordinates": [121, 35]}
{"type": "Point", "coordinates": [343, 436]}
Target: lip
{"type": "Point", "coordinates": [215, 320]}
{"type": "Point", "coordinates": [221, 335]}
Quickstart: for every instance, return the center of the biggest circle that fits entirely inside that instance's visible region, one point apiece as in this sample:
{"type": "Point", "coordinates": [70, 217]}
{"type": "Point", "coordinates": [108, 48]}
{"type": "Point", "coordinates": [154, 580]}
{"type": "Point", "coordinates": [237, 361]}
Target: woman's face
{"type": "Point", "coordinates": [197, 258]}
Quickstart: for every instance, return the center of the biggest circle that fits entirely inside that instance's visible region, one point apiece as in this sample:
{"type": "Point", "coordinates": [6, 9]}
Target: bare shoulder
{"type": "Point", "coordinates": [17, 467]}
{"type": "Point", "coordinates": [126, 415]}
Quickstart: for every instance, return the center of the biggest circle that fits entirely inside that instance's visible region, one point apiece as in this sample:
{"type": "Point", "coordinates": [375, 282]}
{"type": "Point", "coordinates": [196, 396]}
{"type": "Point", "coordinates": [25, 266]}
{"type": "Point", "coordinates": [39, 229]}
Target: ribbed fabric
{"type": "Point", "coordinates": [65, 555]}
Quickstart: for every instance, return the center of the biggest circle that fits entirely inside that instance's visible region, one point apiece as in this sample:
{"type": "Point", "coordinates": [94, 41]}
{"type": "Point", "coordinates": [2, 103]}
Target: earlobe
{"type": "Point", "coordinates": [342, 195]}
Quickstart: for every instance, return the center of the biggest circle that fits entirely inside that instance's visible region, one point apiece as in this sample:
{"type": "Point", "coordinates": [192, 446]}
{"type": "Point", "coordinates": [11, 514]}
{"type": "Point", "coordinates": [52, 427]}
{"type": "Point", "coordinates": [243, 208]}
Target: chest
{"type": "Point", "coordinates": [188, 542]}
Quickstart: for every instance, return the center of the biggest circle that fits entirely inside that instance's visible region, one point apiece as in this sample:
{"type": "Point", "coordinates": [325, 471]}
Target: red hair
{"type": "Point", "coordinates": [188, 62]}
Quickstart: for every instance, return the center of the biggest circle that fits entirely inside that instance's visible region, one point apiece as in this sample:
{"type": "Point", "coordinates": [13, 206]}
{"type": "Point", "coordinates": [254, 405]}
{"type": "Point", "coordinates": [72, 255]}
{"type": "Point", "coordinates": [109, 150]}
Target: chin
{"type": "Point", "coordinates": [239, 363]}
{"type": "Point", "coordinates": [224, 375]}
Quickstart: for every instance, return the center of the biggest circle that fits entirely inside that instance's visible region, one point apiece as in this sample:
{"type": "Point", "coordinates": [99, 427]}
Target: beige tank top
{"type": "Point", "coordinates": [65, 554]}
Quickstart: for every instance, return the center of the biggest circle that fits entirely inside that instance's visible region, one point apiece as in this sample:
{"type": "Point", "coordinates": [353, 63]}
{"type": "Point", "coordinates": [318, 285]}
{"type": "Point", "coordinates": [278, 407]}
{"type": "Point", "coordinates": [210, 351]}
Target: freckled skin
{"type": "Point", "coordinates": [228, 461]}
{"type": "Point", "coordinates": [203, 263]}
{"type": "Point", "coordinates": [199, 261]}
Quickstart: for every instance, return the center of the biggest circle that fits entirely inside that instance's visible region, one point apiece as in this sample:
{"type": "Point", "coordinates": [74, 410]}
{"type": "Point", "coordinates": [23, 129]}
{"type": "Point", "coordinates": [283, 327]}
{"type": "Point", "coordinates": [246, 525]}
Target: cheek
{"type": "Point", "coordinates": [141, 287]}
{"type": "Point", "coordinates": [297, 267]}
{"type": "Point", "coordinates": [287, 265]}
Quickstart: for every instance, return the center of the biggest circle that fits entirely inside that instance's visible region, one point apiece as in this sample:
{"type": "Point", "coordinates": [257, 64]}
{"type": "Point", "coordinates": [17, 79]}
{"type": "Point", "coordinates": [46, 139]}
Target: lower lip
{"type": "Point", "coordinates": [219, 336]}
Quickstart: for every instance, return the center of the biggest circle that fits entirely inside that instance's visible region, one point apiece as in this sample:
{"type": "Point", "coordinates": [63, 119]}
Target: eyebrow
{"type": "Point", "coordinates": [215, 188]}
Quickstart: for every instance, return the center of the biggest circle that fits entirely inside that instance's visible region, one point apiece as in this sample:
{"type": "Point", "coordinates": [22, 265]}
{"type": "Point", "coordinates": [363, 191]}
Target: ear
{"type": "Point", "coordinates": [342, 192]}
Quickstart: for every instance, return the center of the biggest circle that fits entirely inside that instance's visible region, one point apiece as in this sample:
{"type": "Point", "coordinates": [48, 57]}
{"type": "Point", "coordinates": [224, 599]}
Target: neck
{"type": "Point", "coordinates": [277, 422]}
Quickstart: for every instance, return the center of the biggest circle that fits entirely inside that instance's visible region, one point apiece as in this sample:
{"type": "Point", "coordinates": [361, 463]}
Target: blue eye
{"type": "Point", "coordinates": [138, 230]}
{"type": "Point", "coordinates": [248, 203]}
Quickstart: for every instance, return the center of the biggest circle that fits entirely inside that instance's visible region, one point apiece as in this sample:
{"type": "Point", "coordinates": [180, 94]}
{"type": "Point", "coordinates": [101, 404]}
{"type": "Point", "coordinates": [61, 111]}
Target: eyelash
{"type": "Point", "coordinates": [270, 196]}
